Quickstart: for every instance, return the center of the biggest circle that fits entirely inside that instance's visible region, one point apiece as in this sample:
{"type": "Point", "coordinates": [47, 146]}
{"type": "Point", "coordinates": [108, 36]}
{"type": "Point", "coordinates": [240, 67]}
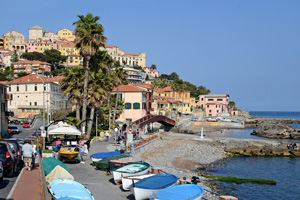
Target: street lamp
{"type": "Point", "coordinates": [43, 109]}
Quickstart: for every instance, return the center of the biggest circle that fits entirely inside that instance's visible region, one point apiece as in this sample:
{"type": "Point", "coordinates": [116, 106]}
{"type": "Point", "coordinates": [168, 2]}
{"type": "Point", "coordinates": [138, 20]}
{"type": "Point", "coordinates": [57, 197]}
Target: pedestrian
{"type": "Point", "coordinates": [107, 136]}
{"type": "Point", "coordinates": [81, 152]}
{"type": "Point", "coordinates": [28, 152]}
{"type": "Point", "coordinates": [116, 131]}
{"type": "Point", "coordinates": [34, 154]}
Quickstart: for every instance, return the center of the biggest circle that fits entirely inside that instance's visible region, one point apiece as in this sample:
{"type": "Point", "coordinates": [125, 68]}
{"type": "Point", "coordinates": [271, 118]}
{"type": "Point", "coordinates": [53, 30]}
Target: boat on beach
{"type": "Point", "coordinates": [99, 156]}
{"type": "Point", "coordinates": [179, 192]}
{"type": "Point", "coordinates": [127, 181]}
{"type": "Point", "coordinates": [151, 185]}
{"type": "Point", "coordinates": [68, 154]}
{"type": "Point", "coordinates": [67, 188]}
{"type": "Point", "coordinates": [131, 169]}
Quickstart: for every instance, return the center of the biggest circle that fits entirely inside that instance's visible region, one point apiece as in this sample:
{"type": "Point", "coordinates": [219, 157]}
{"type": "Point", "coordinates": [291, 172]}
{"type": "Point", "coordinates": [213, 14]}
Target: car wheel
{"type": "Point", "coordinates": [11, 173]}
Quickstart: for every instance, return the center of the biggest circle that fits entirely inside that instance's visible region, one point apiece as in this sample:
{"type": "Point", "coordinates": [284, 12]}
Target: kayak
{"type": "Point", "coordinates": [131, 169]}
{"type": "Point", "coordinates": [151, 185]}
{"type": "Point", "coordinates": [99, 156]}
{"type": "Point", "coordinates": [67, 188]}
{"type": "Point", "coordinates": [179, 192]}
{"type": "Point", "coordinates": [127, 181]}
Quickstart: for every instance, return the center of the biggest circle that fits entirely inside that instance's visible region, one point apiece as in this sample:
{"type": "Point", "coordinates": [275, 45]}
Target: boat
{"type": "Point", "coordinates": [67, 188]}
{"type": "Point", "coordinates": [103, 164]}
{"type": "Point", "coordinates": [179, 192]}
{"type": "Point", "coordinates": [131, 169]}
{"type": "Point", "coordinates": [50, 163]}
{"type": "Point", "coordinates": [68, 154]}
{"type": "Point", "coordinates": [99, 156]}
{"type": "Point", "coordinates": [127, 181]}
{"type": "Point", "coordinates": [151, 185]}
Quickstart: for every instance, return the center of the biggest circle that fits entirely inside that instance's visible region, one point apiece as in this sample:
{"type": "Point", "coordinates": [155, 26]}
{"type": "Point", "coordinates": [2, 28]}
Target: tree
{"type": "Point", "coordinates": [34, 56]}
{"type": "Point", "coordinates": [201, 90]}
{"type": "Point", "coordinates": [231, 105]}
{"type": "Point", "coordinates": [153, 67]}
{"type": "Point", "coordinates": [54, 57]}
{"type": "Point", "coordinates": [15, 57]}
{"type": "Point", "coordinates": [147, 77]}
{"type": "Point", "coordinates": [89, 37]}
{"type": "Point", "coordinates": [21, 74]}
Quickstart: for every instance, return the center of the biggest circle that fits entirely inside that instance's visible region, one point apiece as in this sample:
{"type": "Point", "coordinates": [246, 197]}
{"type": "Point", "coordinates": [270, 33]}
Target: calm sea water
{"type": "Point", "coordinates": [285, 171]}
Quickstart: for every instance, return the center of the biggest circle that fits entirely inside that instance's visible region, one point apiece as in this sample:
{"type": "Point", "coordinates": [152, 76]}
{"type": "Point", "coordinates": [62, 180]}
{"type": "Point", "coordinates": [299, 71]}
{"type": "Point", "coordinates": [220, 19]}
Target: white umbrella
{"type": "Point", "coordinates": [63, 128]}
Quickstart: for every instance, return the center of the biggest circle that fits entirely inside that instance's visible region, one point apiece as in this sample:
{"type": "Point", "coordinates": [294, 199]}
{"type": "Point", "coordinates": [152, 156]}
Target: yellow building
{"type": "Point", "coordinates": [43, 45]}
{"type": "Point", "coordinates": [68, 48]}
{"type": "Point", "coordinates": [1, 43]}
{"type": "Point", "coordinates": [14, 41]}
{"type": "Point", "coordinates": [66, 34]}
{"type": "Point", "coordinates": [74, 60]}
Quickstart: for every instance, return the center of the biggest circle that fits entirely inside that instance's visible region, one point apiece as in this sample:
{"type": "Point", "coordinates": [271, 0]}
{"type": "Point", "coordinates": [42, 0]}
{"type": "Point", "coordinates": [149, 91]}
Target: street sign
{"type": "Point", "coordinates": [43, 133]}
{"type": "Point", "coordinates": [130, 131]}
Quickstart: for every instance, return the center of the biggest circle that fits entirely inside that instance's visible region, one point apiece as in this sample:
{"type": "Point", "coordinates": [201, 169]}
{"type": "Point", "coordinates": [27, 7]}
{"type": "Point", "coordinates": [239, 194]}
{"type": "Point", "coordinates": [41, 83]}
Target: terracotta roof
{"type": "Point", "coordinates": [56, 79]}
{"type": "Point", "coordinates": [31, 62]}
{"type": "Point", "coordinates": [168, 89]}
{"type": "Point", "coordinates": [106, 46]}
{"type": "Point", "coordinates": [8, 53]}
{"type": "Point", "coordinates": [147, 86]}
{"type": "Point", "coordinates": [131, 54]}
{"type": "Point", "coordinates": [3, 82]}
{"type": "Point", "coordinates": [159, 91]}
{"type": "Point", "coordinates": [127, 88]}
{"type": "Point", "coordinates": [31, 78]}
{"type": "Point", "coordinates": [216, 103]}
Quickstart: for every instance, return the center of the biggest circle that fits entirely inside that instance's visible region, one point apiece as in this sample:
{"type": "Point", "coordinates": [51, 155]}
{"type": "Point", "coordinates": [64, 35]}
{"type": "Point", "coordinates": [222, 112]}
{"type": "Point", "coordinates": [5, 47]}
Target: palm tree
{"type": "Point", "coordinates": [153, 67]}
{"type": "Point", "coordinates": [72, 86]}
{"type": "Point", "coordinates": [89, 37]}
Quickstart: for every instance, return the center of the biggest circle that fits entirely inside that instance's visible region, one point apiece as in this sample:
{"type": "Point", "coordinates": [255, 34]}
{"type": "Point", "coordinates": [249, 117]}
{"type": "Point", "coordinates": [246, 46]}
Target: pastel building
{"type": "Point", "coordinates": [74, 60]}
{"type": "Point", "coordinates": [130, 59]}
{"type": "Point", "coordinates": [66, 35]}
{"type": "Point", "coordinates": [37, 32]}
{"type": "Point", "coordinates": [137, 102]}
{"type": "Point", "coordinates": [30, 66]}
{"type": "Point", "coordinates": [29, 93]}
{"type": "Point", "coordinates": [214, 105]}
{"type": "Point", "coordinates": [151, 72]}
{"type": "Point", "coordinates": [14, 41]}
{"type": "Point", "coordinates": [31, 45]}
{"type": "Point", "coordinates": [134, 75]}
{"type": "Point", "coordinates": [67, 48]}
{"type": "Point", "coordinates": [4, 114]}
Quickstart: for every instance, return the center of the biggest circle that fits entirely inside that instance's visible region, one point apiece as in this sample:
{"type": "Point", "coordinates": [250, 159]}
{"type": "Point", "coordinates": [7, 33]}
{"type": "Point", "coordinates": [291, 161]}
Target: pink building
{"type": "Point", "coordinates": [151, 72]}
{"type": "Point", "coordinates": [30, 45]}
{"type": "Point", "coordinates": [137, 102]}
{"type": "Point", "coordinates": [214, 105]}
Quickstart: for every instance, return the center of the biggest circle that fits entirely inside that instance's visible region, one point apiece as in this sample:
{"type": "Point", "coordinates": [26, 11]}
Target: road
{"type": "Point", "coordinates": [7, 181]}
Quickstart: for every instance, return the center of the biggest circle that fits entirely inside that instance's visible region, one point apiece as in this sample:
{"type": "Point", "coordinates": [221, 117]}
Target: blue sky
{"type": "Point", "coordinates": [247, 49]}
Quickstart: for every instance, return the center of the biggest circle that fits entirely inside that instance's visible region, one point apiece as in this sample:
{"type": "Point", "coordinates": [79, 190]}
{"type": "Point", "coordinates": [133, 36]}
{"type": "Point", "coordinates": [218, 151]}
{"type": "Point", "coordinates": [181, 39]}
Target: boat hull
{"type": "Point", "coordinates": [67, 188]}
{"type": "Point", "coordinates": [127, 181]}
{"type": "Point", "coordinates": [118, 175]}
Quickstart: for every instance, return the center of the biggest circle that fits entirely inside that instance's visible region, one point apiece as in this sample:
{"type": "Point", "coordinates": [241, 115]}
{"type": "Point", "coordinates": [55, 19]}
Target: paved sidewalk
{"type": "Point", "coordinates": [28, 186]}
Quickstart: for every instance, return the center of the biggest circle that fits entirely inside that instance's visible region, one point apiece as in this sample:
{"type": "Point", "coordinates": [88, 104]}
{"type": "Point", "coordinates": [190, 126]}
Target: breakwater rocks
{"type": "Point", "coordinates": [277, 129]}
{"type": "Point", "coordinates": [260, 148]}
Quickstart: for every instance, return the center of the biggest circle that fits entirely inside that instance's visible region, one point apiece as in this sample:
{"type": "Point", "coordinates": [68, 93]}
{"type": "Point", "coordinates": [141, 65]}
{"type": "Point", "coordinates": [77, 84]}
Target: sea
{"type": "Point", "coordinates": [285, 171]}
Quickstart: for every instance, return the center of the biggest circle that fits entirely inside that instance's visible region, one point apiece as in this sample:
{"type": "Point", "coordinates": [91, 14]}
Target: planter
{"type": "Point", "coordinates": [46, 155]}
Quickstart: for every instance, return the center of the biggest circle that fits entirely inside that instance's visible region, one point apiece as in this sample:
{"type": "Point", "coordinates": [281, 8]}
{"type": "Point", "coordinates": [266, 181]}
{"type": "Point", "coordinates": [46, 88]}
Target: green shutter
{"type": "Point", "coordinates": [127, 105]}
{"type": "Point", "coordinates": [35, 88]}
{"type": "Point", "coordinates": [136, 106]}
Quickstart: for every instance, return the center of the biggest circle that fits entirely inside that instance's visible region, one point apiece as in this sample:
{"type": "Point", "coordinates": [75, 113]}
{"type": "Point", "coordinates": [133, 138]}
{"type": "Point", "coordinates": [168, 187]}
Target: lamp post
{"type": "Point", "coordinates": [43, 109]}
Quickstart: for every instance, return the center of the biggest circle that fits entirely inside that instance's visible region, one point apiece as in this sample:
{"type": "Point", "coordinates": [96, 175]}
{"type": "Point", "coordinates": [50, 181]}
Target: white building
{"type": "Point", "coordinates": [28, 94]}
{"type": "Point", "coordinates": [134, 75]}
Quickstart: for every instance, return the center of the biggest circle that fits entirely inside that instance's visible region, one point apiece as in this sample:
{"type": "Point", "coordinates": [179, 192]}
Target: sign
{"type": "Point", "coordinates": [43, 133]}
{"type": "Point", "coordinates": [130, 131]}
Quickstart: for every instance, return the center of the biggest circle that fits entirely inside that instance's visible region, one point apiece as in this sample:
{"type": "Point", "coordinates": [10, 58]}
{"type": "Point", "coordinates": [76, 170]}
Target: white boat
{"type": "Point", "coordinates": [127, 181]}
{"type": "Point", "coordinates": [131, 169]}
{"type": "Point", "coordinates": [151, 185]}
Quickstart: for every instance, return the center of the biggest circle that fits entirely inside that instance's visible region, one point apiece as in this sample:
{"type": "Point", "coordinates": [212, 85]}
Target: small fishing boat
{"type": "Point", "coordinates": [127, 181]}
{"type": "Point", "coordinates": [99, 156]}
{"type": "Point", "coordinates": [68, 154]}
{"type": "Point", "coordinates": [131, 169]}
{"type": "Point", "coordinates": [179, 192]}
{"type": "Point", "coordinates": [66, 188]}
{"type": "Point", "coordinates": [151, 185]}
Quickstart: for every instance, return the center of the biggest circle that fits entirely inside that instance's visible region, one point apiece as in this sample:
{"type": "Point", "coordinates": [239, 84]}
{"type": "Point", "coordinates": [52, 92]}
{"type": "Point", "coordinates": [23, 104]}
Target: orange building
{"type": "Point", "coordinates": [30, 66]}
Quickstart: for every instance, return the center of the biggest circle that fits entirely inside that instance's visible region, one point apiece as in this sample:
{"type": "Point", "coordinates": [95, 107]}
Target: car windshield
{"type": "Point", "coordinates": [13, 144]}
{"type": "Point", "coordinates": [12, 127]}
{"type": "Point", "coordinates": [26, 123]}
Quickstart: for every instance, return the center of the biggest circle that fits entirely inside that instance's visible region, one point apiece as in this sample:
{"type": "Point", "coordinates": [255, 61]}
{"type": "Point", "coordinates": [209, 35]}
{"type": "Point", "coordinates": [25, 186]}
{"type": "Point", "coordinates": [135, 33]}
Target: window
{"type": "Point", "coordinates": [217, 111]}
{"type": "Point", "coordinates": [210, 111]}
{"type": "Point", "coordinates": [219, 99]}
{"type": "Point", "coordinates": [44, 88]}
{"type": "Point", "coordinates": [127, 105]}
{"type": "Point", "coordinates": [9, 89]}
{"type": "Point", "coordinates": [17, 88]}
{"type": "Point", "coordinates": [210, 99]}
{"type": "Point", "coordinates": [144, 106]}
{"type": "Point", "coordinates": [35, 88]}
{"type": "Point", "coordinates": [120, 97]}
{"type": "Point", "coordinates": [35, 103]}
{"type": "Point", "coordinates": [30, 103]}
{"type": "Point", "coordinates": [149, 105]}
{"type": "Point", "coordinates": [25, 87]}
{"type": "Point", "coordinates": [207, 106]}
{"type": "Point", "coordinates": [216, 106]}
{"type": "Point", "coordinates": [136, 106]}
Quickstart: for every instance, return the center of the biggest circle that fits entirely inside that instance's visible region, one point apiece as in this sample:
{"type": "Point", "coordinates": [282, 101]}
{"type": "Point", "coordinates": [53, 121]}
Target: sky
{"type": "Point", "coordinates": [247, 49]}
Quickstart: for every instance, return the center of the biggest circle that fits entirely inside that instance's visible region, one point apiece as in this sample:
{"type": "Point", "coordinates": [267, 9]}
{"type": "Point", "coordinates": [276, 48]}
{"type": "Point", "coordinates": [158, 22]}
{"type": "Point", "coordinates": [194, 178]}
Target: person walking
{"type": "Point", "coordinates": [28, 152]}
{"type": "Point", "coordinates": [81, 152]}
{"type": "Point", "coordinates": [34, 154]}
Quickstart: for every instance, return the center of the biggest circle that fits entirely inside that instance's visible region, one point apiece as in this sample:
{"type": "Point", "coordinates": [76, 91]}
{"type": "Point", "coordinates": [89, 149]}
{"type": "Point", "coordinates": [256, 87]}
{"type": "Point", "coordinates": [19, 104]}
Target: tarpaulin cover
{"type": "Point", "coordinates": [103, 164]}
{"type": "Point", "coordinates": [156, 182]}
{"type": "Point", "coordinates": [105, 154]}
{"type": "Point", "coordinates": [180, 192]}
{"type": "Point", "coordinates": [50, 163]}
{"type": "Point", "coordinates": [57, 173]}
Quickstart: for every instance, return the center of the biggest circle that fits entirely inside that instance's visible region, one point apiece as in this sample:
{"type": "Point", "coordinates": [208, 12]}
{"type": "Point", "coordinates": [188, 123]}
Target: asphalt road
{"type": "Point", "coordinates": [8, 182]}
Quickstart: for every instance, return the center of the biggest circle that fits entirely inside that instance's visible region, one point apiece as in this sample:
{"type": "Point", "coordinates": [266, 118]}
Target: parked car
{"type": "Point", "coordinates": [1, 172]}
{"type": "Point", "coordinates": [13, 129]}
{"type": "Point", "coordinates": [26, 125]}
{"type": "Point", "coordinates": [8, 159]}
{"type": "Point", "coordinates": [17, 151]}
{"type": "Point", "coordinates": [14, 121]}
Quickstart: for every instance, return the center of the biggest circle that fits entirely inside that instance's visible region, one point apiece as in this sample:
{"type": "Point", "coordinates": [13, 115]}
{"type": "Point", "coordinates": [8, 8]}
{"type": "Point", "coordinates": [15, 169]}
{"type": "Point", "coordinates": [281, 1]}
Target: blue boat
{"type": "Point", "coordinates": [61, 188]}
{"type": "Point", "coordinates": [179, 192]}
{"type": "Point", "coordinates": [99, 156]}
{"type": "Point", "coordinates": [151, 185]}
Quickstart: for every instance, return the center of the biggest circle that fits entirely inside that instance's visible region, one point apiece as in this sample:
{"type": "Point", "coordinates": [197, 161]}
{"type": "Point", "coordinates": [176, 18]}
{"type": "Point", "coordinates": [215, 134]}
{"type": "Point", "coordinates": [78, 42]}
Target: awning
{"type": "Point", "coordinates": [63, 128]}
